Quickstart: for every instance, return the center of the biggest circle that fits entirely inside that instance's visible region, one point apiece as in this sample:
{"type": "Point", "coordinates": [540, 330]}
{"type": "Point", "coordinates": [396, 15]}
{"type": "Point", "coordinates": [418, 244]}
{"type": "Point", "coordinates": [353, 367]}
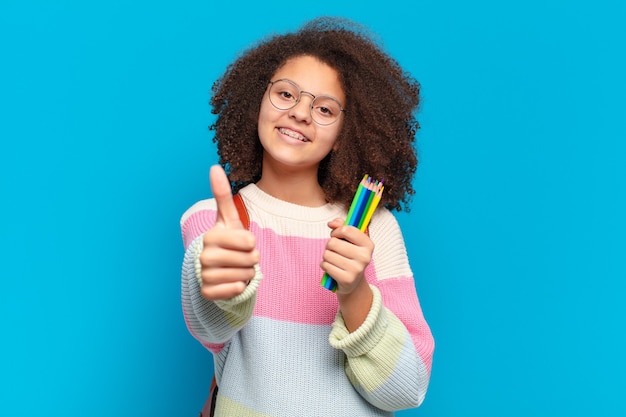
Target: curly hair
{"type": "Point", "coordinates": [378, 132]}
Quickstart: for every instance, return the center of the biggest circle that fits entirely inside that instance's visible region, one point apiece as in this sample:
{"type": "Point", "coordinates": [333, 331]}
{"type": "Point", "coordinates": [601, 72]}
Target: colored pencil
{"type": "Point", "coordinates": [364, 202]}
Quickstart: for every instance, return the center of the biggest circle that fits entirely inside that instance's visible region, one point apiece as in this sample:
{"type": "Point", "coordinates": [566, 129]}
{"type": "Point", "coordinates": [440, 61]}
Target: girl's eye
{"type": "Point", "coordinates": [326, 107]}
{"type": "Point", "coordinates": [325, 111]}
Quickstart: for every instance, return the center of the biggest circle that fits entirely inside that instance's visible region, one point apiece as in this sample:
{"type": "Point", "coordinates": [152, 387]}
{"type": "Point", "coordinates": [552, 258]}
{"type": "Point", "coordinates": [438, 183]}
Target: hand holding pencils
{"type": "Point", "coordinates": [363, 205]}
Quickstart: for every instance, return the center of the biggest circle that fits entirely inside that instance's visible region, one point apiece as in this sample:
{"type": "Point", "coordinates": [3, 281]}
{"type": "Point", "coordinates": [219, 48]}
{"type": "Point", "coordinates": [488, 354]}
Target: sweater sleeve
{"type": "Point", "coordinates": [211, 323]}
{"type": "Point", "coordinates": [389, 357]}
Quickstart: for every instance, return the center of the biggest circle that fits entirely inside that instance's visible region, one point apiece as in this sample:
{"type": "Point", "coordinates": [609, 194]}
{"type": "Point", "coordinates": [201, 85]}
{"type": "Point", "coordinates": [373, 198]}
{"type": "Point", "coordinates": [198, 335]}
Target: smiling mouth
{"type": "Point", "coordinates": [292, 134]}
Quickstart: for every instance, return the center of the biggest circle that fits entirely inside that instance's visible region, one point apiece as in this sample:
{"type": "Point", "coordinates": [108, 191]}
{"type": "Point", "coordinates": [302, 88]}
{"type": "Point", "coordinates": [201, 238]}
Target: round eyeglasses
{"type": "Point", "coordinates": [285, 94]}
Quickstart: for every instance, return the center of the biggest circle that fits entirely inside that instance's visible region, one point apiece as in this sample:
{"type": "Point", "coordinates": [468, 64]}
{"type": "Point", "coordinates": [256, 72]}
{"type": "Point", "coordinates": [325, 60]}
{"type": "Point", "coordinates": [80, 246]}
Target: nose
{"type": "Point", "coordinates": [302, 109]}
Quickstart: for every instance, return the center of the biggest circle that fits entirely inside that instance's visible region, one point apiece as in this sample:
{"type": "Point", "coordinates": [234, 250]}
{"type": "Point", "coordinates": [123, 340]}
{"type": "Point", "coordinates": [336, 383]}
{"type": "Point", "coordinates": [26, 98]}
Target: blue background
{"type": "Point", "coordinates": [516, 236]}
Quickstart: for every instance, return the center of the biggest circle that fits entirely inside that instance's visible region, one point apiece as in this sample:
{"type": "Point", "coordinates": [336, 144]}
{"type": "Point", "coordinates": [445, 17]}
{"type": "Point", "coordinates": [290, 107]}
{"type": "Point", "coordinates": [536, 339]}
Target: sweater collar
{"type": "Point", "coordinates": [260, 200]}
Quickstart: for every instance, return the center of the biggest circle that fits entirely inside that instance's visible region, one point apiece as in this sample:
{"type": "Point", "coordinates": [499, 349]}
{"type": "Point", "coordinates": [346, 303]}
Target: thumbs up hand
{"type": "Point", "coordinates": [229, 253]}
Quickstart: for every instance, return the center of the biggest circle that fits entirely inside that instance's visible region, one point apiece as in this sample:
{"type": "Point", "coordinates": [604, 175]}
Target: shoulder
{"type": "Point", "coordinates": [384, 229]}
{"type": "Point", "coordinates": [384, 222]}
{"type": "Point", "coordinates": [197, 219]}
{"type": "Point", "coordinates": [202, 205]}
{"type": "Point", "coordinates": [390, 252]}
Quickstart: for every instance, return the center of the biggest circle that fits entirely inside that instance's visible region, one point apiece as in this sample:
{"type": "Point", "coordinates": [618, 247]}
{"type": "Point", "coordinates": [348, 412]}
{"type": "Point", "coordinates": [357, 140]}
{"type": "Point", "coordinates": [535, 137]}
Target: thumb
{"type": "Point", "coordinates": [227, 213]}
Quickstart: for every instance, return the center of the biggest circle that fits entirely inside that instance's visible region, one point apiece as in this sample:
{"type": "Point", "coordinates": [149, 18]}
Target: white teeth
{"type": "Point", "coordinates": [292, 134]}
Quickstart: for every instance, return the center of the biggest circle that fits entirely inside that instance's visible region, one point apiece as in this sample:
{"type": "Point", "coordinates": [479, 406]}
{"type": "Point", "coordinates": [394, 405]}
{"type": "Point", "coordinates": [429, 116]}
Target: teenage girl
{"type": "Point", "coordinates": [301, 118]}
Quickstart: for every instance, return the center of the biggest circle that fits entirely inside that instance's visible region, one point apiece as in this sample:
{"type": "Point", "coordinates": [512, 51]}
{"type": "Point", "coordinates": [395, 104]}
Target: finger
{"type": "Point", "coordinates": [335, 223]}
{"type": "Point", "coordinates": [223, 291]}
{"type": "Point", "coordinates": [238, 240]}
{"type": "Point", "coordinates": [349, 233]}
{"type": "Point", "coordinates": [226, 210]}
{"type": "Point", "coordinates": [334, 271]}
{"type": "Point", "coordinates": [223, 257]}
{"type": "Point", "coordinates": [218, 276]}
{"type": "Point", "coordinates": [348, 251]}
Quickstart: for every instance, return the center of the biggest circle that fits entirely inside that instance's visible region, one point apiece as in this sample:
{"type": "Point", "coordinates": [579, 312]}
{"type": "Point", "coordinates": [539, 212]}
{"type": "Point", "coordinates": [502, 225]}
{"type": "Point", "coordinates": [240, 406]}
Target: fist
{"type": "Point", "coordinates": [229, 254]}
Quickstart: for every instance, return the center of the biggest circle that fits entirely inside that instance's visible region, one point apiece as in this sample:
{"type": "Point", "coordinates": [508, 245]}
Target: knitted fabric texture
{"type": "Point", "coordinates": [281, 348]}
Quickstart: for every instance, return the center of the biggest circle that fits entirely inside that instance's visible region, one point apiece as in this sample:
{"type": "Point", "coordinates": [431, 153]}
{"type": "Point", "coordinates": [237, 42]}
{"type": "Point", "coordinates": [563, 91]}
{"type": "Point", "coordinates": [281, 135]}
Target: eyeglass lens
{"type": "Point", "coordinates": [285, 94]}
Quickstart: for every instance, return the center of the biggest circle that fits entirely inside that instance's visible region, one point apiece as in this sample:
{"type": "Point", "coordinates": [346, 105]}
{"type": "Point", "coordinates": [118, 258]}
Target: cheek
{"type": "Point", "coordinates": [264, 117]}
{"type": "Point", "coordinates": [267, 114]}
{"type": "Point", "coordinates": [329, 142]}
{"type": "Point", "coordinates": [333, 137]}
{"type": "Point", "coordinates": [262, 112]}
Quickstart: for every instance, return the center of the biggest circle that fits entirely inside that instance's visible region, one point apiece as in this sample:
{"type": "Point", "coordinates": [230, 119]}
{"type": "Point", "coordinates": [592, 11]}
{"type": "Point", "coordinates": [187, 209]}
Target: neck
{"type": "Point", "coordinates": [297, 187]}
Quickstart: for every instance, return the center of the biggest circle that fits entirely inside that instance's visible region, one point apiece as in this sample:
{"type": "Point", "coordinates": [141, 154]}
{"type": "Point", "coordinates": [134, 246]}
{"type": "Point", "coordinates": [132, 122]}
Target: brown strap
{"type": "Point", "coordinates": [242, 210]}
{"type": "Point", "coordinates": [209, 406]}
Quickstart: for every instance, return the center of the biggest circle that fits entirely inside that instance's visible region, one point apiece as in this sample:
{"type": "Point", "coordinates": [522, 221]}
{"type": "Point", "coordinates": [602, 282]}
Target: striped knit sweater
{"type": "Point", "coordinates": [281, 347]}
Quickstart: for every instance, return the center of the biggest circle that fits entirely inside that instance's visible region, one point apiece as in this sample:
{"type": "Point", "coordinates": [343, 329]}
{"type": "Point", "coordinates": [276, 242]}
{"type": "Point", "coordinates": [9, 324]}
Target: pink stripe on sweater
{"type": "Point", "coordinates": [405, 305]}
{"type": "Point", "coordinates": [290, 289]}
{"type": "Point", "coordinates": [198, 223]}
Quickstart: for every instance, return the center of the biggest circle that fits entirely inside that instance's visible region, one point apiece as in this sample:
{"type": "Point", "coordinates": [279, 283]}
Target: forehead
{"type": "Point", "coordinates": [312, 75]}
